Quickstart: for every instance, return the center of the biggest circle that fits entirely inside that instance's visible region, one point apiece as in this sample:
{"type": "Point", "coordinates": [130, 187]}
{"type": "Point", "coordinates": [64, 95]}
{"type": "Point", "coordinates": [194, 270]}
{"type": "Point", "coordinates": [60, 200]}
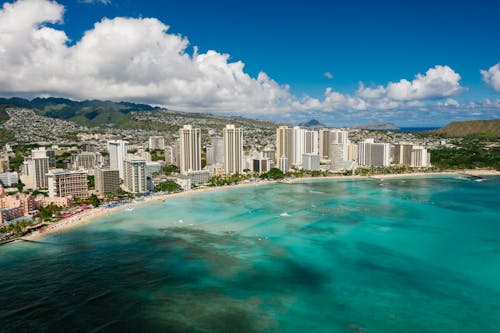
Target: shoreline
{"type": "Point", "coordinates": [101, 212]}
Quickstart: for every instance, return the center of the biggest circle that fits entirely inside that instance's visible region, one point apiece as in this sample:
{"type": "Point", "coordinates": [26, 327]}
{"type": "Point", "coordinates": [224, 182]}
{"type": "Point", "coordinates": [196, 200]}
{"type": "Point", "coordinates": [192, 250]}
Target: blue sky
{"type": "Point", "coordinates": [295, 43]}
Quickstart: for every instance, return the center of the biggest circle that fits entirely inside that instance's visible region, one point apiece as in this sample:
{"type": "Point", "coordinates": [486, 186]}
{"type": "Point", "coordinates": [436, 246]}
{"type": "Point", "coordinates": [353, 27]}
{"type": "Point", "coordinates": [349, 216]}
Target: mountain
{"type": "Point", "coordinates": [377, 126]}
{"type": "Point", "coordinates": [86, 113]}
{"type": "Point", "coordinates": [312, 123]}
{"type": "Point", "coordinates": [126, 115]}
{"type": "Point", "coordinates": [470, 127]}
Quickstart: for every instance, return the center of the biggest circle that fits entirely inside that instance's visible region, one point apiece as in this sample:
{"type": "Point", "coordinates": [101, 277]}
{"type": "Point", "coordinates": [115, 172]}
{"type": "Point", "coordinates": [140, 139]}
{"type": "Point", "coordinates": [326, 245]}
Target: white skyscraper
{"type": "Point", "coordinates": [233, 149]}
{"type": "Point", "coordinates": [298, 146]}
{"type": "Point", "coordinates": [420, 157]}
{"type": "Point", "coordinates": [283, 164]}
{"type": "Point", "coordinates": [373, 154]}
{"type": "Point", "coordinates": [402, 153]}
{"type": "Point", "coordinates": [338, 155]}
{"type": "Point", "coordinates": [310, 161]}
{"type": "Point", "coordinates": [134, 171]}
{"type": "Point", "coordinates": [190, 149]}
{"type": "Point", "coordinates": [117, 152]}
{"type": "Point", "coordinates": [218, 150]}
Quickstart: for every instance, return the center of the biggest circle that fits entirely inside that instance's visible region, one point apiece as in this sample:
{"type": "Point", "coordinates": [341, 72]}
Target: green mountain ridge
{"type": "Point", "coordinates": [470, 127]}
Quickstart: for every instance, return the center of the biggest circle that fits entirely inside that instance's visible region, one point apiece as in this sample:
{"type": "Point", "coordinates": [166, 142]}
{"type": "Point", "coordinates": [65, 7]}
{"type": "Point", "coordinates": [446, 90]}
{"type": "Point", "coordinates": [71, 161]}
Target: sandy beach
{"type": "Point", "coordinates": [100, 212]}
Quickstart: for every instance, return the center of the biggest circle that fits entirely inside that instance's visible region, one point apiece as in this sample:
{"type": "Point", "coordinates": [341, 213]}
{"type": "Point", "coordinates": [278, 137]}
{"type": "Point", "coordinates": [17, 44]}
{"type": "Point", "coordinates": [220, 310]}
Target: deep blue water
{"type": "Point", "coordinates": [401, 255]}
{"type": "Point", "coordinates": [417, 129]}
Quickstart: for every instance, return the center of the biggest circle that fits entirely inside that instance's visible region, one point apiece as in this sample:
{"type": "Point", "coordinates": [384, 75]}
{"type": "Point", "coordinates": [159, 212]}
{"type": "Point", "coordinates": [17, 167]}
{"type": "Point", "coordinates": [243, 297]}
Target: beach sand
{"type": "Point", "coordinates": [100, 212]}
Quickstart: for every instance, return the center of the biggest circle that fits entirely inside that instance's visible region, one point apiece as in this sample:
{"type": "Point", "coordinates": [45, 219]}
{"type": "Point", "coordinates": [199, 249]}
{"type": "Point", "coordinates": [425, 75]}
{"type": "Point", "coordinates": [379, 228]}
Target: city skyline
{"type": "Point", "coordinates": [343, 64]}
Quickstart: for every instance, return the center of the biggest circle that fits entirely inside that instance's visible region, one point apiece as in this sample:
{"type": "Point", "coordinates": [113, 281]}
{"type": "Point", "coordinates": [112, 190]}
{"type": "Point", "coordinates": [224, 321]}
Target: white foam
{"type": "Point", "coordinates": [284, 214]}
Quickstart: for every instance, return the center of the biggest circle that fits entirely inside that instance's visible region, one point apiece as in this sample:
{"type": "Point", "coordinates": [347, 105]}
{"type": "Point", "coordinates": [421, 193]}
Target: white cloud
{"type": "Point", "coordinates": [124, 58]}
{"type": "Point", "coordinates": [328, 75]}
{"type": "Point", "coordinates": [451, 102]}
{"type": "Point", "coordinates": [137, 59]}
{"type": "Point", "coordinates": [492, 77]}
{"type": "Point", "coordinates": [438, 82]}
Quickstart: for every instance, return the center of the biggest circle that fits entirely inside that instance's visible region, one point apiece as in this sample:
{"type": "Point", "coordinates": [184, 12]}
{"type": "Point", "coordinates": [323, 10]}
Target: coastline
{"type": "Point", "coordinates": [101, 212]}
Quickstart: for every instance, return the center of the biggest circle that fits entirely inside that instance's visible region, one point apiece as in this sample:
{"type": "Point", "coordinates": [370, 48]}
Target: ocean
{"type": "Point", "coordinates": [398, 255]}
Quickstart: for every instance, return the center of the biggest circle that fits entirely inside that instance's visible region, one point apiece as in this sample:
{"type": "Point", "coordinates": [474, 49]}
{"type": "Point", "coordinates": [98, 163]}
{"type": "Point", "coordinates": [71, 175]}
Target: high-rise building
{"type": "Point", "coordinates": [284, 144]}
{"type": "Point", "coordinates": [89, 147]}
{"type": "Point", "coordinates": [310, 161]}
{"type": "Point", "coordinates": [86, 160]}
{"type": "Point", "coordinates": [117, 152]}
{"type": "Point", "coordinates": [107, 180]}
{"type": "Point", "coordinates": [297, 146]}
{"type": "Point", "coordinates": [261, 165]}
{"type": "Point", "coordinates": [51, 154]}
{"type": "Point", "coordinates": [64, 183]}
{"type": "Point", "coordinates": [40, 168]}
{"type": "Point", "coordinates": [190, 149]}
{"type": "Point", "coordinates": [339, 136]}
{"type": "Point", "coordinates": [210, 154]}
{"type": "Point", "coordinates": [134, 174]}
{"type": "Point", "coordinates": [233, 149]}
{"type": "Point", "coordinates": [373, 154]}
{"type": "Point", "coordinates": [218, 147]}
{"type": "Point", "coordinates": [311, 144]}
{"type": "Point", "coordinates": [420, 157]}
{"type": "Point", "coordinates": [402, 153]}
{"type": "Point", "coordinates": [283, 164]}
{"type": "Point", "coordinates": [156, 142]}
{"type": "Point", "coordinates": [324, 143]}
{"type": "Point", "coordinates": [338, 155]}
{"type": "Point", "coordinates": [352, 152]}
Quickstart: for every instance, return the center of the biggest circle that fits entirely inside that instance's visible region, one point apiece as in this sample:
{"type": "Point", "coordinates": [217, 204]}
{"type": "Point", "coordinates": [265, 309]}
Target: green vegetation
{"type": "Point", "coordinates": [471, 127]}
{"type": "Point", "coordinates": [308, 173]}
{"type": "Point", "coordinates": [167, 186]}
{"type": "Point", "coordinates": [16, 161]}
{"type": "Point", "coordinates": [157, 155]}
{"type": "Point", "coordinates": [227, 180]}
{"type": "Point", "coordinates": [91, 200]}
{"type": "Point", "coordinates": [46, 213]}
{"type": "Point", "coordinates": [167, 170]}
{"type": "Point", "coordinates": [15, 228]}
{"type": "Point", "coordinates": [91, 182]}
{"type": "Point", "coordinates": [385, 170]}
{"type": "Point", "coordinates": [478, 151]}
{"type": "Point", "coordinates": [274, 174]}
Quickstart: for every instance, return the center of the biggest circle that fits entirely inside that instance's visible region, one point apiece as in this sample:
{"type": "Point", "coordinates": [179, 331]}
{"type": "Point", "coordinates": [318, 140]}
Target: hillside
{"type": "Point", "coordinates": [124, 115]}
{"type": "Point", "coordinates": [470, 127]}
{"type": "Point", "coordinates": [86, 113]}
{"type": "Point", "coordinates": [53, 119]}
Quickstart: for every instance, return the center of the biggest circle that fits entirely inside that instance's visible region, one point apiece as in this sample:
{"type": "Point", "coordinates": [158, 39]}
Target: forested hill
{"type": "Point", "coordinates": [471, 127]}
{"type": "Point", "coordinates": [87, 113]}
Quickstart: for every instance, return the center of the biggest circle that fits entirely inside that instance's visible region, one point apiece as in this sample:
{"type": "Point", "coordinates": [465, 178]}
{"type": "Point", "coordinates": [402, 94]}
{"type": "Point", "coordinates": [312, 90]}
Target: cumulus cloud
{"type": "Point", "coordinates": [124, 58]}
{"type": "Point", "coordinates": [328, 75]}
{"type": "Point", "coordinates": [439, 81]}
{"type": "Point", "coordinates": [138, 59]}
{"type": "Point", "coordinates": [492, 77]}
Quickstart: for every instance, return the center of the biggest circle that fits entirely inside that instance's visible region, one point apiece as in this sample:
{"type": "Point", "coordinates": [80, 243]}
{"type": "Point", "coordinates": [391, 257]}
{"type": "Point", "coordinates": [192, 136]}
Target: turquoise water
{"type": "Point", "coordinates": [400, 255]}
